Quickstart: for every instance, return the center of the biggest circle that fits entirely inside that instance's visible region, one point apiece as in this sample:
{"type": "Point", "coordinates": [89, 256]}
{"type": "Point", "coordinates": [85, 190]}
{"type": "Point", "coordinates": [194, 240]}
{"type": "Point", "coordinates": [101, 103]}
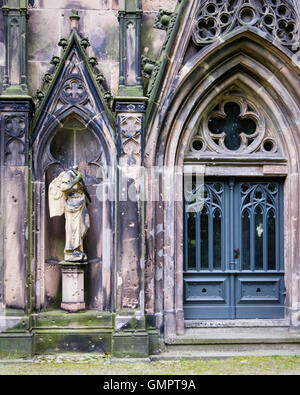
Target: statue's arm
{"type": "Point", "coordinates": [68, 182]}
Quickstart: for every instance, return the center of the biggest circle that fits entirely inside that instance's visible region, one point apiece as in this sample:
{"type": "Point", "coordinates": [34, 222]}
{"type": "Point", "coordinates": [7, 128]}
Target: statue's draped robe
{"type": "Point", "coordinates": [72, 197]}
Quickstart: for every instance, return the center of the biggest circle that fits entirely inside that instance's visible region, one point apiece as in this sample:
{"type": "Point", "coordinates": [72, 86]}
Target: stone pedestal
{"type": "Point", "coordinates": [72, 286]}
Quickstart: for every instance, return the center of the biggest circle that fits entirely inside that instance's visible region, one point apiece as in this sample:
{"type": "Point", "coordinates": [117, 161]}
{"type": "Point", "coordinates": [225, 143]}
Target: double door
{"type": "Point", "coordinates": [234, 250]}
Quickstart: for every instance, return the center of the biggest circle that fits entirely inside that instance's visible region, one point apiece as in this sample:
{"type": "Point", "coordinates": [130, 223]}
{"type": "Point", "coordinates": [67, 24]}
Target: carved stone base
{"type": "Point", "coordinates": [73, 307]}
{"type": "Point", "coordinates": [72, 286]}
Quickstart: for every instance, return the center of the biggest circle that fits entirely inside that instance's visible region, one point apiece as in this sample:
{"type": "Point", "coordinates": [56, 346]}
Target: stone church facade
{"type": "Point", "coordinates": [184, 119]}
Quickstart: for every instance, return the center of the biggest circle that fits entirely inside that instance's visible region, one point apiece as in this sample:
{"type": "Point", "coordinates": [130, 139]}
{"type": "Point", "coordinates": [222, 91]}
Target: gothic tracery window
{"type": "Point", "coordinates": [235, 125]}
{"type": "Point", "coordinates": [276, 18]}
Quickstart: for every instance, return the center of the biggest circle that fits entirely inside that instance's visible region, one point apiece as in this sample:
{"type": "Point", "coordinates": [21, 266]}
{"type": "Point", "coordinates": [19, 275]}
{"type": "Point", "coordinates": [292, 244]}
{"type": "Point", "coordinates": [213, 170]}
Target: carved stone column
{"type": "Point", "coordinates": [130, 228]}
{"type": "Point", "coordinates": [14, 118]}
{"type": "Point", "coordinates": [15, 24]}
{"type": "Point", "coordinates": [15, 112]}
{"type": "Point", "coordinates": [130, 336]}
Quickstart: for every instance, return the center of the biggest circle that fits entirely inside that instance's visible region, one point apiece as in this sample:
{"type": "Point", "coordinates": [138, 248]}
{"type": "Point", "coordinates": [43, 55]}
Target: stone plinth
{"type": "Point", "coordinates": [72, 286]}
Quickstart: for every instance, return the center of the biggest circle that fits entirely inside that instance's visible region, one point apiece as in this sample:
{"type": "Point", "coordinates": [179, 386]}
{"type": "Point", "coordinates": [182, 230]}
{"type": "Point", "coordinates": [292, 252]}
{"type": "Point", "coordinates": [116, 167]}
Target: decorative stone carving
{"type": "Point", "coordinates": [216, 18]}
{"type": "Point", "coordinates": [39, 95]}
{"type": "Point", "coordinates": [162, 20]}
{"type": "Point", "coordinates": [71, 69]}
{"type": "Point", "coordinates": [107, 96]}
{"type": "Point", "coordinates": [130, 19]}
{"type": "Point", "coordinates": [15, 71]}
{"type": "Point", "coordinates": [100, 78]}
{"type": "Point", "coordinates": [154, 74]}
{"type": "Point", "coordinates": [130, 107]}
{"type": "Point", "coordinates": [85, 43]}
{"type": "Point", "coordinates": [63, 42]}
{"type": "Point", "coordinates": [55, 60]}
{"type": "Point", "coordinates": [67, 195]}
{"type": "Point", "coordinates": [171, 24]}
{"type": "Point", "coordinates": [14, 131]}
{"type": "Point", "coordinates": [93, 61]}
{"type": "Point", "coordinates": [148, 66]}
{"type": "Point", "coordinates": [130, 128]}
{"type": "Point", "coordinates": [74, 90]}
{"type": "Point", "coordinates": [11, 106]}
{"type": "Point", "coordinates": [234, 125]}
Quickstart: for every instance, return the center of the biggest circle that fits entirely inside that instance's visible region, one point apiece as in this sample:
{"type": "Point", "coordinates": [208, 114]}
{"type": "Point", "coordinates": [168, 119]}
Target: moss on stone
{"type": "Point", "coordinates": [59, 318]}
{"type": "Point", "coordinates": [15, 345]}
{"type": "Point", "coordinates": [69, 341]}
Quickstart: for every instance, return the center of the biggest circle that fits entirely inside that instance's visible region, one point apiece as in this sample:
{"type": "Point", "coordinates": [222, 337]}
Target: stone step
{"type": "Point", "coordinates": [234, 340]}
{"type": "Point", "coordinates": [226, 334]}
{"type": "Point", "coordinates": [240, 340]}
{"type": "Point", "coordinates": [234, 346]}
{"type": "Point", "coordinates": [225, 348]}
{"type": "Point", "coordinates": [195, 355]}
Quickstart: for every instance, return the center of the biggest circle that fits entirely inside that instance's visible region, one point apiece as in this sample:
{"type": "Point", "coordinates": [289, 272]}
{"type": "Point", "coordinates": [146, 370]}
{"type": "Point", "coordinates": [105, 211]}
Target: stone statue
{"type": "Point", "coordinates": [67, 195]}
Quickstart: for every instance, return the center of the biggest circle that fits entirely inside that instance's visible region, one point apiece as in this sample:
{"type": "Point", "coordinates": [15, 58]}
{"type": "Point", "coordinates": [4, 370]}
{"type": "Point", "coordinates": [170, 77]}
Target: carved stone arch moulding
{"type": "Point", "coordinates": [234, 124]}
{"type": "Point", "coordinates": [86, 135]}
{"type": "Point", "coordinates": [276, 19]}
{"type": "Point", "coordinates": [72, 89]}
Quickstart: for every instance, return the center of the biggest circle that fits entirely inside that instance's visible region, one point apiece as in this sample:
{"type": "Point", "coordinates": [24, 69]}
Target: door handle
{"type": "Point", "coordinates": [236, 253]}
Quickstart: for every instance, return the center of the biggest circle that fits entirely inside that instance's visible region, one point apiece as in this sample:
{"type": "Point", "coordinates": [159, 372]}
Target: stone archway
{"type": "Point", "coordinates": [200, 81]}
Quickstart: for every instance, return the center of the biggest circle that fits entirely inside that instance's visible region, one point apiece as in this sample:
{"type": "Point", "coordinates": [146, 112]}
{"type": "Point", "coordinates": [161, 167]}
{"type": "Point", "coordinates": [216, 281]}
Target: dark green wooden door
{"type": "Point", "coordinates": [234, 251]}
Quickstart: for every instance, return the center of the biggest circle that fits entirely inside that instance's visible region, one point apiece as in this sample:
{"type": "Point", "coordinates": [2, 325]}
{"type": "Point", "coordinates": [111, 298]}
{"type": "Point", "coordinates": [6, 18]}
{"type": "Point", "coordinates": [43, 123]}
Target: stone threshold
{"type": "Point", "coordinates": [242, 339]}
{"type": "Point", "coordinates": [243, 323]}
{"type": "Point", "coordinates": [196, 356]}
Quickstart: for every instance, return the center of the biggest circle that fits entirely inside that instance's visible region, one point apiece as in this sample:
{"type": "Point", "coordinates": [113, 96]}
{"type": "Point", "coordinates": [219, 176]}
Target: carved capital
{"type": "Point", "coordinates": [130, 107]}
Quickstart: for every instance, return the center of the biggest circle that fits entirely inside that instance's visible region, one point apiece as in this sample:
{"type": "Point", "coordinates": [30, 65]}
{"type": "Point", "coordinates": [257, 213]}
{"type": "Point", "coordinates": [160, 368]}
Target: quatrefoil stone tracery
{"type": "Point", "coordinates": [15, 126]}
{"type": "Point", "coordinates": [74, 90]}
{"type": "Point", "coordinates": [233, 126]}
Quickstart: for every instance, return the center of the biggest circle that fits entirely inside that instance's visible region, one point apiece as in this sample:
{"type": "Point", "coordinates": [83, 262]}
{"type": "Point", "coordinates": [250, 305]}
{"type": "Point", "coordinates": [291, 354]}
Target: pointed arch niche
{"type": "Point", "coordinates": [73, 142]}
{"type": "Point", "coordinates": [261, 82]}
{"type": "Point", "coordinates": [73, 126]}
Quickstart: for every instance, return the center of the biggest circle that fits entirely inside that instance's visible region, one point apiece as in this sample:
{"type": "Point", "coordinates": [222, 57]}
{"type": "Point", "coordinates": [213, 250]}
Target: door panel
{"type": "Point", "coordinates": [206, 295]}
{"type": "Point", "coordinates": [234, 251]}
